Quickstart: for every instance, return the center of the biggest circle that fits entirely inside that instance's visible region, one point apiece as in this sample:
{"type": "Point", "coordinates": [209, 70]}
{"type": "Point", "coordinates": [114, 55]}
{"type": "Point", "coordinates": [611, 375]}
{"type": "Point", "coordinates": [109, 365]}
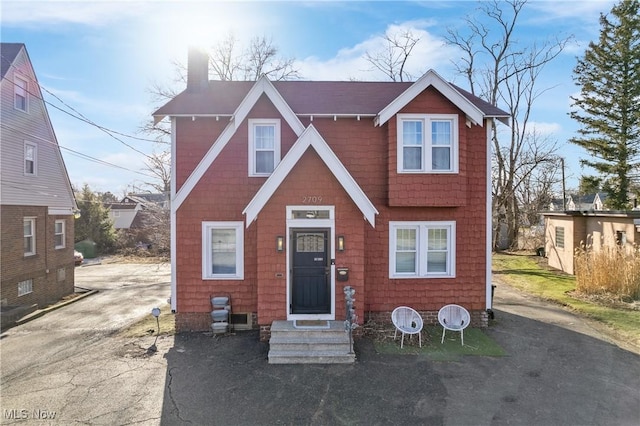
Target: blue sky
{"type": "Point", "coordinates": [101, 57]}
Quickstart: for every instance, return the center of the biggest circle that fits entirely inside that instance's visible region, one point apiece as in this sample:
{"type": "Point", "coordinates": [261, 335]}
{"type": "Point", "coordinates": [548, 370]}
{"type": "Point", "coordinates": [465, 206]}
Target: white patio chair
{"type": "Point", "coordinates": [454, 318]}
{"type": "Point", "coordinates": [407, 321]}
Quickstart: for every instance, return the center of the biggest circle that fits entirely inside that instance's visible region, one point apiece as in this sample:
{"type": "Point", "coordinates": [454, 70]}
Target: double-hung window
{"type": "Point", "coordinates": [30, 159]}
{"type": "Point", "coordinates": [59, 234]}
{"type": "Point", "coordinates": [223, 250]}
{"type": "Point", "coordinates": [264, 146]}
{"type": "Point", "coordinates": [427, 143]}
{"type": "Point", "coordinates": [25, 287]}
{"type": "Point", "coordinates": [29, 227]}
{"type": "Point", "coordinates": [20, 94]}
{"type": "Point", "coordinates": [421, 249]}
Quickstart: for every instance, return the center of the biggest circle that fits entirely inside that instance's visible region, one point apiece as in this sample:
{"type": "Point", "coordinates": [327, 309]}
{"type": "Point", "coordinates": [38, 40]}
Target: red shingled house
{"type": "Point", "coordinates": [284, 192]}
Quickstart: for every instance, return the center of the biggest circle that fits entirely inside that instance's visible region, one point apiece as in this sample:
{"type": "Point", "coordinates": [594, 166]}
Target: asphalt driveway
{"type": "Point", "coordinates": [560, 370]}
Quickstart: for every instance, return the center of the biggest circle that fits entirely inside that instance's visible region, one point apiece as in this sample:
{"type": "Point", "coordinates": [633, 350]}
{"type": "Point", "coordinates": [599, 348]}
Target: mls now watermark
{"type": "Point", "coordinates": [24, 414]}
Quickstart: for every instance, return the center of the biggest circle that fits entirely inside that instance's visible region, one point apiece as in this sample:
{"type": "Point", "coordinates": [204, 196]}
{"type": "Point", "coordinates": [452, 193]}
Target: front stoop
{"type": "Point", "coordinates": [309, 345]}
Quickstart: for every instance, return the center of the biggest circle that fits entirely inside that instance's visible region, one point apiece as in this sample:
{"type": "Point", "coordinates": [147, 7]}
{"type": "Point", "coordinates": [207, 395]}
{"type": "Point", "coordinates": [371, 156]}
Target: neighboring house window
{"type": "Point", "coordinates": [427, 143]}
{"type": "Point", "coordinates": [560, 237]}
{"type": "Point", "coordinates": [30, 158]}
{"type": "Point", "coordinates": [58, 234]}
{"type": "Point", "coordinates": [21, 90]}
{"type": "Point", "coordinates": [621, 238]}
{"type": "Point", "coordinates": [222, 250]}
{"type": "Point", "coordinates": [421, 249]}
{"type": "Point", "coordinates": [25, 287]}
{"type": "Point", "coordinates": [116, 213]}
{"type": "Point", "coordinates": [264, 146]}
{"type": "Point", "coordinates": [29, 236]}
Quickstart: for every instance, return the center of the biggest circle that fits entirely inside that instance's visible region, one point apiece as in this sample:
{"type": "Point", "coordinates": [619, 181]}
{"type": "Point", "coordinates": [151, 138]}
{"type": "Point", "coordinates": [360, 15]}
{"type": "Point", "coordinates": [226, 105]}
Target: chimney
{"type": "Point", "coordinates": [197, 70]}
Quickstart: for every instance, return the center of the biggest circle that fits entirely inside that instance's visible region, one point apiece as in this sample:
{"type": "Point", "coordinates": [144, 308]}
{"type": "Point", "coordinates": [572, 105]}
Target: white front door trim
{"type": "Point", "coordinates": [305, 224]}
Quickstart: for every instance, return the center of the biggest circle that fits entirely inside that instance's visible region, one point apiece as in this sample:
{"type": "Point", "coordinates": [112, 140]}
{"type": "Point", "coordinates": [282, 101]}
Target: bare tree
{"type": "Point", "coordinates": [392, 58]}
{"type": "Point", "coordinates": [505, 73]}
{"type": "Point", "coordinates": [158, 165]}
{"type": "Point", "coordinates": [229, 61]}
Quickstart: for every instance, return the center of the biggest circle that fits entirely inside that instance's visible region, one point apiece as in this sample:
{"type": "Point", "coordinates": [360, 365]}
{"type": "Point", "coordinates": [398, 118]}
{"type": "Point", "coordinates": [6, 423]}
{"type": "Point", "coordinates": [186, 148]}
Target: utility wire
{"type": "Point", "coordinates": [80, 116]}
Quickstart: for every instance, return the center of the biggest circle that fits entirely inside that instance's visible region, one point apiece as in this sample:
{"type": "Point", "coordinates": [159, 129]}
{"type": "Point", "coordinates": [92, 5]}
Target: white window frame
{"type": "Point", "coordinates": [19, 90]}
{"type": "Point", "coordinates": [422, 229]}
{"type": "Point", "coordinates": [32, 236]}
{"type": "Point", "coordinates": [25, 287]}
{"type": "Point", "coordinates": [252, 145]}
{"type": "Point", "coordinates": [33, 146]}
{"type": "Point", "coordinates": [207, 255]}
{"type": "Point", "coordinates": [427, 144]}
{"type": "Point", "coordinates": [62, 233]}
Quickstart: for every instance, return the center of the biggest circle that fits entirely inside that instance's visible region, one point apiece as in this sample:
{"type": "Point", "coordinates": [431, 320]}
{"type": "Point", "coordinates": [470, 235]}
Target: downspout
{"type": "Point", "coordinates": [488, 223]}
{"type": "Point", "coordinates": [173, 217]}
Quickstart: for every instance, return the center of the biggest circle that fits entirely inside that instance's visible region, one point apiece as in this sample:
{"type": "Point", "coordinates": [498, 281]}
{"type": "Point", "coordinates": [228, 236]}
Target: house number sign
{"type": "Point", "coordinates": [311, 199]}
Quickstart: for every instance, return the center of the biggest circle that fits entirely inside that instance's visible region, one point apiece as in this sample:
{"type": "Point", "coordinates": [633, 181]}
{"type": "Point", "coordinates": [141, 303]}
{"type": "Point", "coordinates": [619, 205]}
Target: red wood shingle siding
{"type": "Point", "coordinates": [369, 153]}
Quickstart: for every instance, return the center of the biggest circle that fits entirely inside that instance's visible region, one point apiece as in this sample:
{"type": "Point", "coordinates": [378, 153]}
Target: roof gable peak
{"type": "Point", "coordinates": [428, 79]}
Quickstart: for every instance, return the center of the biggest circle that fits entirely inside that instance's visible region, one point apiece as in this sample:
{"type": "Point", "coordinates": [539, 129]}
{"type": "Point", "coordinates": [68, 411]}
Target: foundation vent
{"type": "Point", "coordinates": [241, 321]}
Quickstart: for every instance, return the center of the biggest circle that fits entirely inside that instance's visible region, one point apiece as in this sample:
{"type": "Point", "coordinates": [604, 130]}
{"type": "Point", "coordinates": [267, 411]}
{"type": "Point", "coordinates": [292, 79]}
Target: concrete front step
{"type": "Point", "coordinates": [309, 345]}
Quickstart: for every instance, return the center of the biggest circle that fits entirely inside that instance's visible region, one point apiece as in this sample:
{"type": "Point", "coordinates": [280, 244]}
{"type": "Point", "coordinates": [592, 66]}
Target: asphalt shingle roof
{"type": "Point", "coordinates": [305, 98]}
{"type": "Point", "coordinates": [9, 51]}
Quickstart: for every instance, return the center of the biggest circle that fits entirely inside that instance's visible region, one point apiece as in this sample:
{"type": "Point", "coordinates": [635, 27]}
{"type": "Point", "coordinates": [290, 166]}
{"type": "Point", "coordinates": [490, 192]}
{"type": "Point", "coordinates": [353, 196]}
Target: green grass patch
{"type": "Point", "coordinates": [530, 274]}
{"type": "Point", "coordinates": [476, 342]}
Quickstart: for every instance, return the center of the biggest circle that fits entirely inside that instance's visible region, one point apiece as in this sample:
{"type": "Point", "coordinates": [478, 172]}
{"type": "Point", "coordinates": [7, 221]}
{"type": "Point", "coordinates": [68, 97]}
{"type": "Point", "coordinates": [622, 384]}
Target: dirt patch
{"type": "Point", "coordinates": [606, 299]}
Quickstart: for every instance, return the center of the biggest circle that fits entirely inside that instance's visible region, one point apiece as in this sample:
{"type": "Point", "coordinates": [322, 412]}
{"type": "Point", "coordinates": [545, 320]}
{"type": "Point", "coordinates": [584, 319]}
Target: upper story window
{"type": "Point", "coordinates": [29, 226]}
{"type": "Point", "coordinates": [427, 143]}
{"type": "Point", "coordinates": [421, 249]}
{"type": "Point", "coordinates": [264, 146]}
{"type": "Point", "coordinates": [59, 234]}
{"type": "Point", "coordinates": [21, 92]}
{"type": "Point", "coordinates": [30, 159]}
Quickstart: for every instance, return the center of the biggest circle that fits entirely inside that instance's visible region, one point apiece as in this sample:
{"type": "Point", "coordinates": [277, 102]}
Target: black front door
{"type": "Point", "coordinates": [310, 272]}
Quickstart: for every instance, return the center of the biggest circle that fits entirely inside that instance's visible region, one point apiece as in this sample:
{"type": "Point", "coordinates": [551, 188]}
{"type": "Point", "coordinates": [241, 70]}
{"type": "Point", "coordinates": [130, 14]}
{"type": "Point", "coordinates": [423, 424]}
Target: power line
{"type": "Point", "coordinates": [76, 153]}
{"type": "Point", "coordinates": [80, 116]}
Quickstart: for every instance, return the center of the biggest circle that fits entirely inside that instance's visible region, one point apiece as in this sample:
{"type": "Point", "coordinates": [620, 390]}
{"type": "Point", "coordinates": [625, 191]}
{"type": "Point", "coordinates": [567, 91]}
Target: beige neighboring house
{"type": "Point", "coordinates": [567, 231]}
{"type": "Point", "coordinates": [123, 214]}
{"type": "Point", "coordinates": [37, 204]}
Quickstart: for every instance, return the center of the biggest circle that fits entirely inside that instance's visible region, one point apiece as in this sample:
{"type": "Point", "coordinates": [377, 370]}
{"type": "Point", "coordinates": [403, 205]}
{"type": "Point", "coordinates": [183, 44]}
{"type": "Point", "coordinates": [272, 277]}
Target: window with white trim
{"type": "Point", "coordinates": [59, 234]}
{"type": "Point", "coordinates": [29, 226]}
{"type": "Point", "coordinates": [422, 249]}
{"type": "Point", "coordinates": [20, 93]}
{"type": "Point", "coordinates": [427, 143]}
{"type": "Point", "coordinates": [223, 250]}
{"type": "Point", "coordinates": [264, 146]}
{"type": "Point", "coordinates": [25, 287]}
{"type": "Point", "coordinates": [30, 159]}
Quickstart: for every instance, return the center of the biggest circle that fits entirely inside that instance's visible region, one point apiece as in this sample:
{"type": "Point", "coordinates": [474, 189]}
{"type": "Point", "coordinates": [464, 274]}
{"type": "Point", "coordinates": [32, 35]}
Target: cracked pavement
{"type": "Point", "coordinates": [559, 370]}
{"type": "Point", "coordinates": [72, 365]}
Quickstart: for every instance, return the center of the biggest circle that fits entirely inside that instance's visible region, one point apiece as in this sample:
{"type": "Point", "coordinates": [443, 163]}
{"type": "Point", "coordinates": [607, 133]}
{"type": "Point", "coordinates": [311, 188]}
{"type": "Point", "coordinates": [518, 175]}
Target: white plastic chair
{"type": "Point", "coordinates": [407, 321]}
{"type": "Point", "coordinates": [454, 318]}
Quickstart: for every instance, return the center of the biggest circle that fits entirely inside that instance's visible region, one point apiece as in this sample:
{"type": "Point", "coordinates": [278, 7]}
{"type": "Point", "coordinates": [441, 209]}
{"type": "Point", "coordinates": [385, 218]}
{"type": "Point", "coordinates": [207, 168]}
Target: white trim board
{"type": "Point", "coordinates": [310, 138]}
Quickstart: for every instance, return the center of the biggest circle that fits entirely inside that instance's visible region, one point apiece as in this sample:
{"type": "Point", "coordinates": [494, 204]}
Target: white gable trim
{"type": "Point", "coordinates": [431, 78]}
{"type": "Point", "coordinates": [310, 138]}
{"type": "Point", "coordinates": [261, 86]}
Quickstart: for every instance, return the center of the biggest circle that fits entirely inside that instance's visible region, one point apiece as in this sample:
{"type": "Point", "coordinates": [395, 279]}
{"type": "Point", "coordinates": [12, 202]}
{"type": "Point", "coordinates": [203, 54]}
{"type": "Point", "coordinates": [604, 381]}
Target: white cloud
{"type": "Point", "coordinates": [350, 63]}
{"type": "Point", "coordinates": [92, 13]}
{"type": "Point", "coordinates": [544, 129]}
